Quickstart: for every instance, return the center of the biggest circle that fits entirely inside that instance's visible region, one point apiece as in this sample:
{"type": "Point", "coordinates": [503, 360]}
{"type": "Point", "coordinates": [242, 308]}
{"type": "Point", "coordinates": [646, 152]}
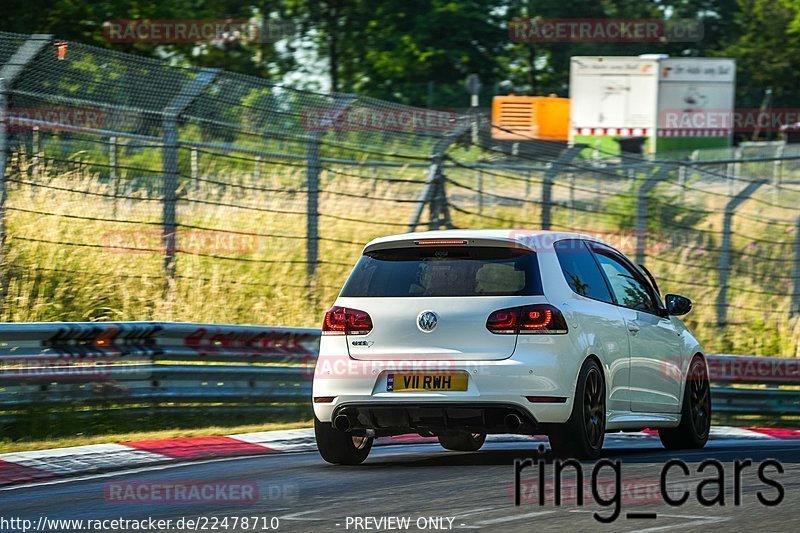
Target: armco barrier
{"type": "Point", "coordinates": [183, 367]}
{"type": "Point", "coordinates": [746, 390]}
{"type": "Point", "coordinates": [167, 366]}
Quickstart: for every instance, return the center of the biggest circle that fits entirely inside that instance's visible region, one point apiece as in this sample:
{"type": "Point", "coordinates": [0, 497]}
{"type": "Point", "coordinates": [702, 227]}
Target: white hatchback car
{"type": "Point", "coordinates": [462, 333]}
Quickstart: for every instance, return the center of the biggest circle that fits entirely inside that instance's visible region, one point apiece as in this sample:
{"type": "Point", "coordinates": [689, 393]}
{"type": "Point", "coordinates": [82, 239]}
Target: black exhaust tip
{"type": "Point", "coordinates": [513, 422]}
{"type": "Point", "coordinates": [342, 423]}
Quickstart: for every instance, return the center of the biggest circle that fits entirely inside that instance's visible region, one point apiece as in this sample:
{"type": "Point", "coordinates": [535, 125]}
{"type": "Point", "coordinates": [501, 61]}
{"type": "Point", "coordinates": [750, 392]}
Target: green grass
{"type": "Point", "coordinates": [264, 281]}
{"type": "Point", "coordinates": [63, 259]}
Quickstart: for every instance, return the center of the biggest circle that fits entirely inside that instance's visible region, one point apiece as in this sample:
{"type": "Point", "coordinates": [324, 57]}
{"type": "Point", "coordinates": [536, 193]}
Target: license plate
{"type": "Point", "coordinates": [445, 381]}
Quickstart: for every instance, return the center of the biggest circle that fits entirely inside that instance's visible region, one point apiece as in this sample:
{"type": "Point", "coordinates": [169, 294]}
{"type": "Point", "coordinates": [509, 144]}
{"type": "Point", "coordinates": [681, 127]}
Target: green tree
{"type": "Point", "coordinates": [766, 49]}
{"type": "Point", "coordinates": [83, 21]}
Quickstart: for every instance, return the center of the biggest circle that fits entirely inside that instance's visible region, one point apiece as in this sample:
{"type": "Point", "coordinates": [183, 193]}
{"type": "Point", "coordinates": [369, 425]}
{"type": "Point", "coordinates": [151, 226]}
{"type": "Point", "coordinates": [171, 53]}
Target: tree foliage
{"type": "Point", "coordinates": [420, 51]}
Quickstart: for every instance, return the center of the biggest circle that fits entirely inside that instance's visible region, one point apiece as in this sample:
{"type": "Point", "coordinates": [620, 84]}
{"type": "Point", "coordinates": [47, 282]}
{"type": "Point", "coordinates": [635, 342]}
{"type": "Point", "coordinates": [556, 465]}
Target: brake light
{"type": "Point", "coordinates": [346, 321]}
{"type": "Point", "coordinates": [527, 319]}
{"type": "Point", "coordinates": [441, 242]}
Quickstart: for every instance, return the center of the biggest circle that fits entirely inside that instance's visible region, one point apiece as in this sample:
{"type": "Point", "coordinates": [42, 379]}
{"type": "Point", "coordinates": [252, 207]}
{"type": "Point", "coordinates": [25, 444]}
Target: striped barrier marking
{"type": "Point", "coordinates": [27, 467]}
{"type": "Point", "coordinates": [12, 473]}
{"type": "Point", "coordinates": [191, 448]}
{"type": "Point", "coordinates": [83, 459]}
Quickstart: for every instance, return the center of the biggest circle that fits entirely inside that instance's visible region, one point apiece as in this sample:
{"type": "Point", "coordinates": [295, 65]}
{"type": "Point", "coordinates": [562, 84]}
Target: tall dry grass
{"type": "Point", "coordinates": [64, 256]}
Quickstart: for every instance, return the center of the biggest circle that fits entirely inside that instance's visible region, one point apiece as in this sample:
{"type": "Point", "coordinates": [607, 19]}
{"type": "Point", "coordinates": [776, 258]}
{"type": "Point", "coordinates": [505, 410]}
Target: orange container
{"type": "Point", "coordinates": [529, 118]}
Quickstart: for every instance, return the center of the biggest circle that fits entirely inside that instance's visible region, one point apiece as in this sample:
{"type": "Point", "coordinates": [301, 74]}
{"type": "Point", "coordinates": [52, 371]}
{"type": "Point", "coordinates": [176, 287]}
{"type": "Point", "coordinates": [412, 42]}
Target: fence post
{"type": "Point", "coordinates": [527, 184]}
{"type": "Point", "coordinates": [685, 172]}
{"type": "Point", "coordinates": [796, 272]}
{"type": "Point", "coordinates": [480, 191]}
{"type": "Point", "coordinates": [725, 248]}
{"type": "Point", "coordinates": [571, 180]}
{"type": "Point", "coordinates": [112, 161]}
{"type": "Point", "coordinates": [433, 194]}
{"type": "Point", "coordinates": [733, 170]}
{"type": "Point", "coordinates": [8, 75]}
{"type": "Point", "coordinates": [170, 167]}
{"type": "Point", "coordinates": [36, 148]}
{"type": "Point", "coordinates": [312, 204]}
{"type": "Point", "coordinates": [313, 169]}
{"type": "Point", "coordinates": [549, 175]}
{"type": "Point", "coordinates": [194, 168]}
{"type": "Point", "coordinates": [777, 170]}
{"type": "Point", "coordinates": [3, 157]}
{"type": "Point", "coordinates": [169, 158]}
{"type": "Point", "coordinates": [647, 185]}
{"type": "Point", "coordinates": [112, 171]}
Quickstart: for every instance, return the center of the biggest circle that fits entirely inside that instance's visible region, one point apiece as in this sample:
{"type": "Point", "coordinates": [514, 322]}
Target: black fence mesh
{"type": "Point", "coordinates": [140, 190]}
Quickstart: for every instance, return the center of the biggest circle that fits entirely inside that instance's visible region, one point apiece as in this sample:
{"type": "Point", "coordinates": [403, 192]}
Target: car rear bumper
{"type": "Point", "coordinates": [540, 390]}
{"type": "Point", "coordinates": [394, 418]}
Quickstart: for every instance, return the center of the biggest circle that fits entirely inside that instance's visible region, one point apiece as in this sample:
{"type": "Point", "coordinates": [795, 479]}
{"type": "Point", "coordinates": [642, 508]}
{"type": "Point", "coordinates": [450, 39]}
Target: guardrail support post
{"type": "Point", "coordinates": [169, 158]}
{"type": "Point", "coordinates": [547, 180]}
{"type": "Point", "coordinates": [647, 185]}
{"type": "Point", "coordinates": [725, 248]}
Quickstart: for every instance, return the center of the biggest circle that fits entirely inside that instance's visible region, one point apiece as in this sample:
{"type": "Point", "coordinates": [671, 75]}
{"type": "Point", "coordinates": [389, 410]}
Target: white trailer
{"type": "Point", "coordinates": [676, 103]}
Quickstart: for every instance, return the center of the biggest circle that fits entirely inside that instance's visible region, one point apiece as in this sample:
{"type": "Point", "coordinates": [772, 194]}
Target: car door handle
{"type": "Point", "coordinates": [633, 328]}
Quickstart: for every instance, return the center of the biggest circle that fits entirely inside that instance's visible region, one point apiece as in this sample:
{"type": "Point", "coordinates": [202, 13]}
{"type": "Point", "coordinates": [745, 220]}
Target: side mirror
{"type": "Point", "coordinates": [677, 304]}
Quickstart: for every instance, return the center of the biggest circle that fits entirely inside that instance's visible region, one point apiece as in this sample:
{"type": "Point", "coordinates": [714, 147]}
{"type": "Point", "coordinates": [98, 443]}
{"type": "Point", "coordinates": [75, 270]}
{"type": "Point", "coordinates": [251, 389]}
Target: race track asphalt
{"type": "Point", "coordinates": [438, 490]}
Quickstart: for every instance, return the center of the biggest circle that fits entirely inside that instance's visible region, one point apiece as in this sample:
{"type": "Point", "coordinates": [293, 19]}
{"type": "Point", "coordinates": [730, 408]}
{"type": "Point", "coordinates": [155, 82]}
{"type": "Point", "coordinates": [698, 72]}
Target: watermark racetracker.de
{"type": "Point", "coordinates": [410, 120]}
{"type": "Point", "coordinates": [693, 121]}
{"type": "Point", "coordinates": [199, 492]}
{"type": "Point", "coordinates": [604, 30]}
{"type": "Point", "coordinates": [176, 31]}
{"type": "Point", "coordinates": [208, 242]}
{"type": "Point", "coordinates": [58, 118]}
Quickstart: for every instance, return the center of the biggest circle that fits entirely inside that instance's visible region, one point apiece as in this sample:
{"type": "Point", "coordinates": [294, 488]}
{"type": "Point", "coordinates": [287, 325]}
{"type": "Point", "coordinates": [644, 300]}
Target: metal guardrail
{"type": "Point", "coordinates": [154, 365]}
{"type": "Point", "coordinates": [747, 390]}
{"type": "Point", "coordinates": [180, 367]}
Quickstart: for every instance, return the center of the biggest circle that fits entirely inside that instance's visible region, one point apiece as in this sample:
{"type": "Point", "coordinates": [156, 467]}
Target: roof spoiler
{"type": "Point", "coordinates": [413, 242]}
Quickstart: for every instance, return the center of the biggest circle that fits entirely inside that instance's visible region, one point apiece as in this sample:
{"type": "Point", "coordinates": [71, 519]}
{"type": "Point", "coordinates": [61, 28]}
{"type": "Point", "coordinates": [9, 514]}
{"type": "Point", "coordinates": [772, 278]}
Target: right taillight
{"type": "Point", "coordinates": [527, 319]}
{"type": "Point", "coordinates": [346, 321]}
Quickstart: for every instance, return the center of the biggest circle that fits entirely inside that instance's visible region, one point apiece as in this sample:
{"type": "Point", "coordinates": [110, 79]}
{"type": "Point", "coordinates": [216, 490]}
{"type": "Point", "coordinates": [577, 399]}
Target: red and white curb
{"type": "Point", "coordinates": [40, 465]}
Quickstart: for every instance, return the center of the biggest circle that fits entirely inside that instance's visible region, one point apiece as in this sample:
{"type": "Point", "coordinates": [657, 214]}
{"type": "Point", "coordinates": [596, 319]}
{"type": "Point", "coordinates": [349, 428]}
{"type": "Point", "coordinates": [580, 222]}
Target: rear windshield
{"type": "Point", "coordinates": [445, 271]}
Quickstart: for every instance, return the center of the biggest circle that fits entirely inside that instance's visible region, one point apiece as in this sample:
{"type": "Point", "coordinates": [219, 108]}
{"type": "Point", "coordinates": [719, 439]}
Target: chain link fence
{"type": "Point", "coordinates": [138, 190]}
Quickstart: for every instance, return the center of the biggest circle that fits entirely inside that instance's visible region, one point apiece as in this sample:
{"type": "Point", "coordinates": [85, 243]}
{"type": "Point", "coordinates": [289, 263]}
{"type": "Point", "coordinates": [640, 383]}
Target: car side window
{"type": "Point", "coordinates": [581, 270]}
{"type": "Point", "coordinates": [629, 289]}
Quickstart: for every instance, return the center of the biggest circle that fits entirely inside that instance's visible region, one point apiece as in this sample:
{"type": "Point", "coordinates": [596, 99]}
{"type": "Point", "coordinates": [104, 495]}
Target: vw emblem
{"type": "Point", "coordinates": [427, 321]}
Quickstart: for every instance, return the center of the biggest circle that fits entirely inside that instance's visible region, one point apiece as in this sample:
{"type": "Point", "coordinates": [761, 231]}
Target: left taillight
{"type": "Point", "coordinates": [346, 321]}
{"type": "Point", "coordinates": [527, 319]}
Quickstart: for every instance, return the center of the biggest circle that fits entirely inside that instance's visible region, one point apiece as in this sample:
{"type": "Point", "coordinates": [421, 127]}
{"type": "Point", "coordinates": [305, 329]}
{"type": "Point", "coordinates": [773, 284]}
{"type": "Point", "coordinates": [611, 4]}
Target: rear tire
{"type": "Point", "coordinates": [692, 433]}
{"type": "Point", "coordinates": [338, 447]}
{"type": "Point", "coordinates": [463, 442]}
{"type": "Point", "coordinates": [582, 436]}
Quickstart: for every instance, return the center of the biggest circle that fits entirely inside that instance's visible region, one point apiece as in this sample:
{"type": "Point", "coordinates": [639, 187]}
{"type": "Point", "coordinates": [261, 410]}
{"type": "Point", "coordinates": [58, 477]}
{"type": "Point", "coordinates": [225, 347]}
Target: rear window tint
{"type": "Point", "coordinates": [581, 270]}
{"type": "Point", "coordinates": [445, 271]}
